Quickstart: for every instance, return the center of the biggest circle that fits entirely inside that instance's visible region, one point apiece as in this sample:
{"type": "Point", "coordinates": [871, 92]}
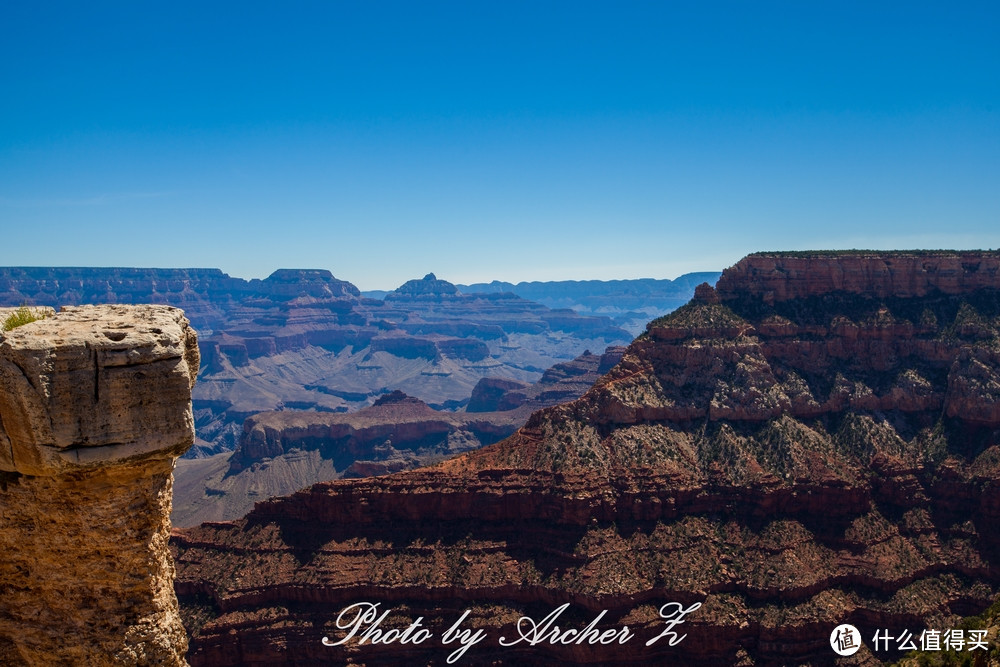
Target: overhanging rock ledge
{"type": "Point", "coordinates": [95, 408]}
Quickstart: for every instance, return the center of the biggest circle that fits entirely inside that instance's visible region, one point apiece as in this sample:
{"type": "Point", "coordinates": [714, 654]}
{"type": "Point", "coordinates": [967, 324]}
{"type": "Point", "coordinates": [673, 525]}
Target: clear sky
{"type": "Point", "coordinates": [493, 140]}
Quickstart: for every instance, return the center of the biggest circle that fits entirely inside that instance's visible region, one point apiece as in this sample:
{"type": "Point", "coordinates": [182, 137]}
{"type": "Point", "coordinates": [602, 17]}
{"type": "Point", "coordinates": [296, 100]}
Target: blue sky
{"type": "Point", "coordinates": [493, 140]}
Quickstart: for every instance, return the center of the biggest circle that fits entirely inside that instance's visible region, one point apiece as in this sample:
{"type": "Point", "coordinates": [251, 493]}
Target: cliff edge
{"type": "Point", "coordinates": [95, 407]}
{"type": "Point", "coordinates": [815, 441]}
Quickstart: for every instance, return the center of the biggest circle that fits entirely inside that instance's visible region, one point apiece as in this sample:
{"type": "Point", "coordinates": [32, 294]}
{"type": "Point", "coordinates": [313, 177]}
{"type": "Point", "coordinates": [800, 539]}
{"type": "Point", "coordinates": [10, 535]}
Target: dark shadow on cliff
{"type": "Point", "coordinates": [548, 545]}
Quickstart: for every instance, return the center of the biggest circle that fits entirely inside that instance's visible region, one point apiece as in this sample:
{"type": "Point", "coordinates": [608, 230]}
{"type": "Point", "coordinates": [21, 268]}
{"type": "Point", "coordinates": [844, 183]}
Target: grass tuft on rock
{"type": "Point", "coordinates": [22, 316]}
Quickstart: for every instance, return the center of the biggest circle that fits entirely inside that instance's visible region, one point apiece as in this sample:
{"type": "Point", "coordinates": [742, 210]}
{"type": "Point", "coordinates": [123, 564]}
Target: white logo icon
{"type": "Point", "coordinates": [845, 639]}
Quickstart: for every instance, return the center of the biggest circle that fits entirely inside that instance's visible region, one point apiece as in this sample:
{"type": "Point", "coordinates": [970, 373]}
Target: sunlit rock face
{"type": "Point", "coordinates": [95, 407]}
{"type": "Point", "coordinates": [813, 442]}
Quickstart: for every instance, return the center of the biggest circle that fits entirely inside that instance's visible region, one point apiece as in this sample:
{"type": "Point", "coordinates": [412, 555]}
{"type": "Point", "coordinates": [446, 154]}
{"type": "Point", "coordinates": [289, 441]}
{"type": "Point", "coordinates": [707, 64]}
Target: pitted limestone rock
{"type": "Point", "coordinates": [95, 407]}
{"type": "Point", "coordinates": [96, 385]}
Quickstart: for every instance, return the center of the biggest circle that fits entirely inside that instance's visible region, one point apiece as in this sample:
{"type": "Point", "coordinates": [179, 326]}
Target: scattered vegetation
{"type": "Point", "coordinates": [700, 315]}
{"type": "Point", "coordinates": [989, 620]}
{"type": "Point", "coordinates": [22, 316]}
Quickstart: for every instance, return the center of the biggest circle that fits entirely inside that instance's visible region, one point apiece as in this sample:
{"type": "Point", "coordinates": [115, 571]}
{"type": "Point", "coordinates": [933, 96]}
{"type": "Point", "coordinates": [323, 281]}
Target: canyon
{"type": "Point", "coordinates": [304, 340]}
{"type": "Point", "coordinates": [280, 452]}
{"type": "Point", "coordinates": [812, 441]}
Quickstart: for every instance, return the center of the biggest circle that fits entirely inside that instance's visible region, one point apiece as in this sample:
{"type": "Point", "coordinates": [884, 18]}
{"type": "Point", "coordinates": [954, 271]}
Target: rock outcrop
{"type": "Point", "coordinates": [95, 407]}
{"type": "Point", "coordinates": [395, 422]}
{"type": "Point", "coordinates": [776, 277]}
{"type": "Point", "coordinates": [428, 286]}
{"type": "Point", "coordinates": [281, 452]}
{"type": "Point", "coordinates": [559, 384]}
{"type": "Point", "coordinates": [789, 463]}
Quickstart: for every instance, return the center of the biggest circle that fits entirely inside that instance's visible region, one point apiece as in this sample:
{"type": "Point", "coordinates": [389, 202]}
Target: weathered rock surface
{"type": "Point", "coordinates": [282, 452]}
{"type": "Point", "coordinates": [559, 384]}
{"type": "Point", "coordinates": [791, 464]}
{"type": "Point", "coordinates": [331, 350]}
{"type": "Point", "coordinates": [429, 285]}
{"type": "Point", "coordinates": [492, 394]}
{"type": "Point", "coordinates": [396, 421]}
{"type": "Point", "coordinates": [95, 407]}
{"type": "Point", "coordinates": [774, 277]}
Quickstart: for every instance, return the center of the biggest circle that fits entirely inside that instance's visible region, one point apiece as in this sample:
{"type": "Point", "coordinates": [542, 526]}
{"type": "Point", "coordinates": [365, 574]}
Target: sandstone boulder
{"type": "Point", "coordinates": [95, 407]}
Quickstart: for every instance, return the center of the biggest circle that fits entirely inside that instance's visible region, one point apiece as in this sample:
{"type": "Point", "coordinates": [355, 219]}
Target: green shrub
{"type": "Point", "coordinates": [21, 316]}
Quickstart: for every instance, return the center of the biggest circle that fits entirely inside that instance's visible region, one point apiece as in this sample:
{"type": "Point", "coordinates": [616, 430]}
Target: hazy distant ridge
{"type": "Point", "coordinates": [657, 287]}
{"type": "Point", "coordinates": [630, 303]}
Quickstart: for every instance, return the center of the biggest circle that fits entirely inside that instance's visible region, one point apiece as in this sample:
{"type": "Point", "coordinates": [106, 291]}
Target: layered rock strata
{"type": "Point", "coordinates": [283, 451]}
{"type": "Point", "coordinates": [563, 382]}
{"type": "Point", "coordinates": [334, 351]}
{"type": "Point", "coordinates": [302, 339]}
{"type": "Point", "coordinates": [789, 463]}
{"type": "Point", "coordinates": [395, 422]}
{"type": "Point", "coordinates": [95, 407]}
{"type": "Point", "coordinates": [776, 277]}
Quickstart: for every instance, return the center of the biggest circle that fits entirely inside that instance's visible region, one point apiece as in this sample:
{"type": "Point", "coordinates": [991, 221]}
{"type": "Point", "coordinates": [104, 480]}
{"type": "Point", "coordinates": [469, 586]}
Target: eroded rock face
{"type": "Point", "coordinates": [395, 425]}
{"type": "Point", "coordinates": [282, 452]}
{"type": "Point", "coordinates": [327, 349]}
{"type": "Point", "coordinates": [563, 382]}
{"type": "Point", "coordinates": [95, 407]}
{"type": "Point", "coordinates": [777, 277]}
{"type": "Point", "coordinates": [789, 463]}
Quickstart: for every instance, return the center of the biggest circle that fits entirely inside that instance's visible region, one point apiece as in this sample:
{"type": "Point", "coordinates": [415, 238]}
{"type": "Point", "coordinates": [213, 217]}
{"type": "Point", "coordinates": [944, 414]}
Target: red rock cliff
{"type": "Point", "coordinates": [784, 276]}
{"type": "Point", "coordinates": [793, 451]}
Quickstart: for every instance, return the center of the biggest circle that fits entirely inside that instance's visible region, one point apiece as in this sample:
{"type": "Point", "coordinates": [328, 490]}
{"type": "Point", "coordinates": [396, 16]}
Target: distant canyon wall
{"type": "Point", "coordinates": [302, 339]}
